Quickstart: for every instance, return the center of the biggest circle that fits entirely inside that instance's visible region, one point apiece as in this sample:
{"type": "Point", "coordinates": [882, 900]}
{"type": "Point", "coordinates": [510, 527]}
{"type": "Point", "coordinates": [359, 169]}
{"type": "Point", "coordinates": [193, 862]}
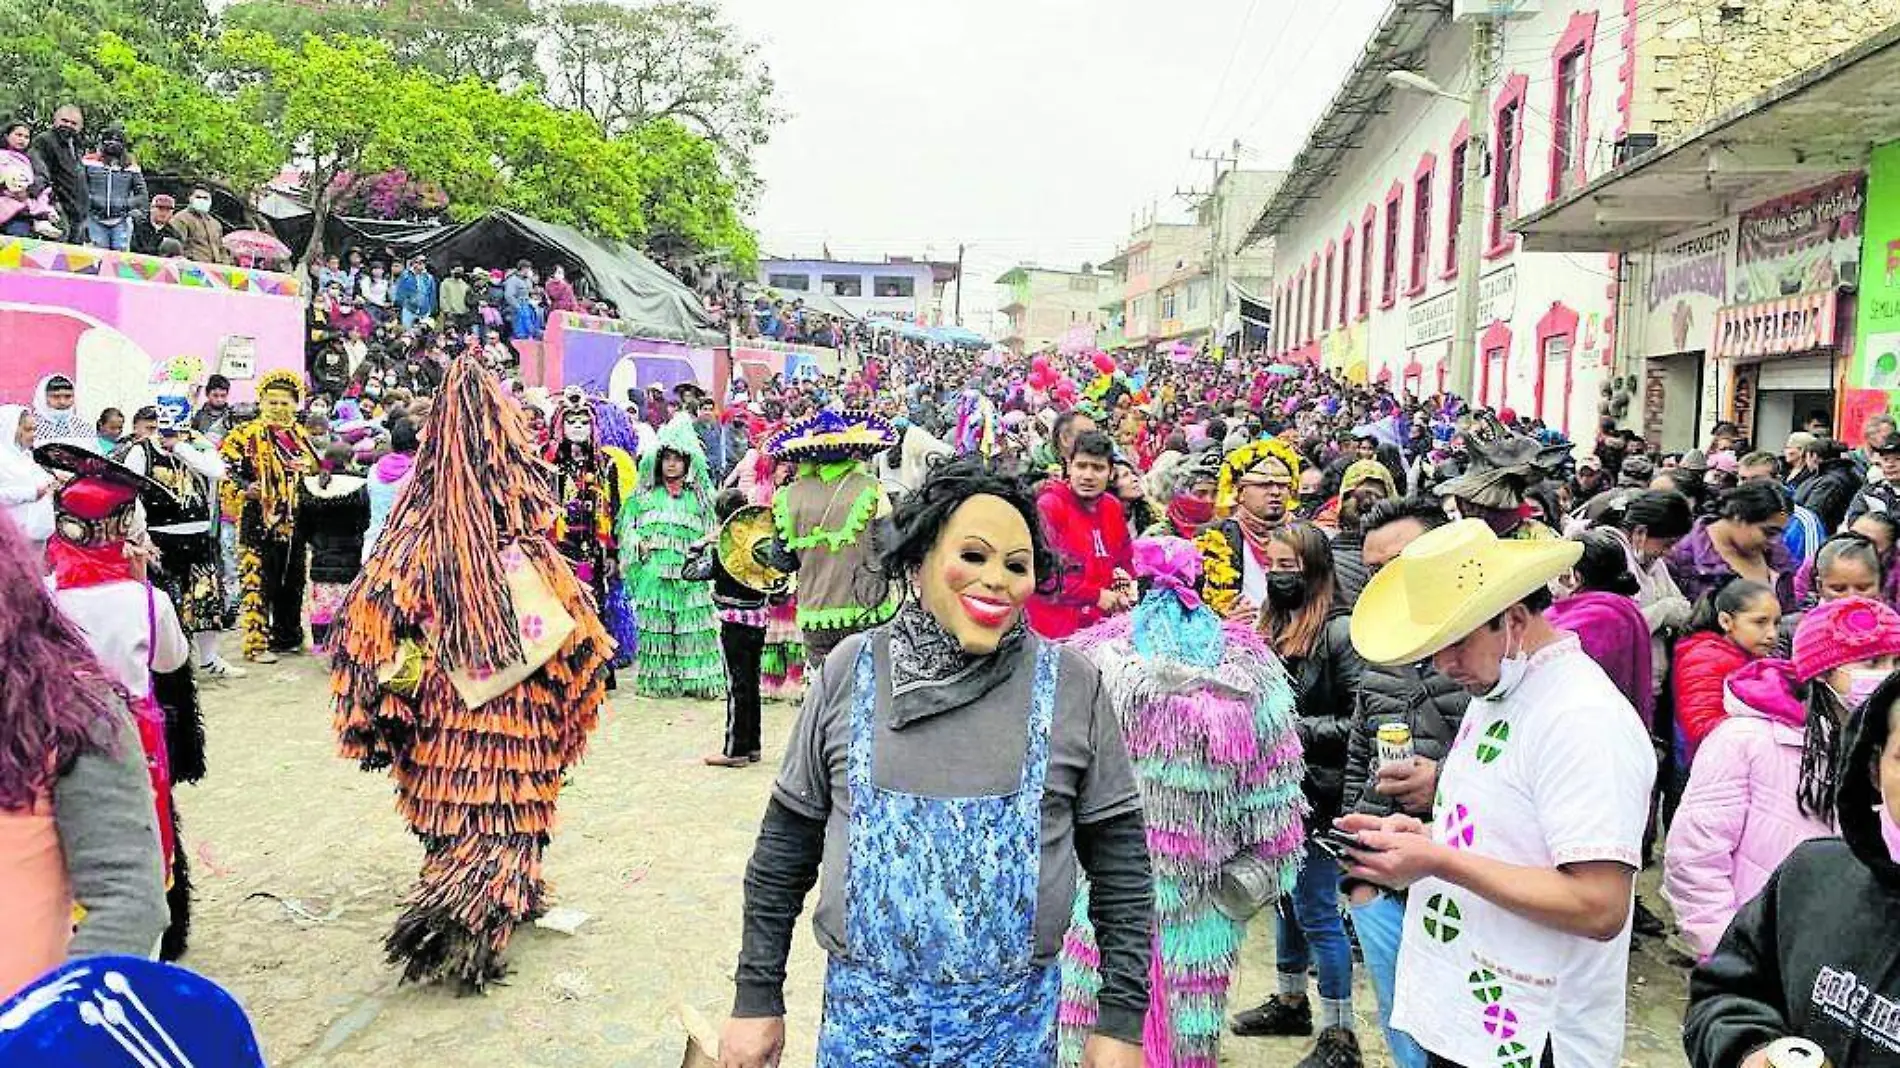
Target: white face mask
{"type": "Point", "coordinates": [1511, 670]}
{"type": "Point", "coordinates": [201, 204]}
{"type": "Point", "coordinates": [576, 432]}
{"type": "Point", "coordinates": [1861, 684]}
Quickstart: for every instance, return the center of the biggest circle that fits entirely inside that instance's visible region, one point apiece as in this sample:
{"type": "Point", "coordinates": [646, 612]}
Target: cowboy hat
{"type": "Point", "coordinates": [1448, 583]}
{"type": "Point", "coordinates": [830, 435]}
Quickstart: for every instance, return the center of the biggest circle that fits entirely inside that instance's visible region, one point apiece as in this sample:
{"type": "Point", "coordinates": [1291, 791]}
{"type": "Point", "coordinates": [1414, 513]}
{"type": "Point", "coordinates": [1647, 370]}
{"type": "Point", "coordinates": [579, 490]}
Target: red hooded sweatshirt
{"type": "Point", "coordinates": [1092, 540]}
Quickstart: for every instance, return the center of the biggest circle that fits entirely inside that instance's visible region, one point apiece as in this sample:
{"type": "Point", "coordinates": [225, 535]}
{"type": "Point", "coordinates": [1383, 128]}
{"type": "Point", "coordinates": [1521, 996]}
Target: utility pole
{"type": "Point", "coordinates": [1473, 209]}
{"type": "Point", "coordinates": [1217, 201]}
{"type": "Point", "coordinates": [957, 315]}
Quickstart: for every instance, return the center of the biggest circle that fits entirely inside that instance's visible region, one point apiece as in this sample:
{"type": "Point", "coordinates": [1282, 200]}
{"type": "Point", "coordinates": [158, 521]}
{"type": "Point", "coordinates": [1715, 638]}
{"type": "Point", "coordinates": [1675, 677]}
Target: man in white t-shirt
{"type": "Point", "coordinates": [1516, 945]}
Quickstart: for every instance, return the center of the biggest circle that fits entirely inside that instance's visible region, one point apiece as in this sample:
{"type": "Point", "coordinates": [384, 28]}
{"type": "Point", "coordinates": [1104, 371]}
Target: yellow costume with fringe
{"type": "Point", "coordinates": [270, 454]}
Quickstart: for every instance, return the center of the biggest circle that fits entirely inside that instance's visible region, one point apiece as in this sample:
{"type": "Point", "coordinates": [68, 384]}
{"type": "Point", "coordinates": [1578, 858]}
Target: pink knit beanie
{"type": "Point", "coordinates": [1841, 632]}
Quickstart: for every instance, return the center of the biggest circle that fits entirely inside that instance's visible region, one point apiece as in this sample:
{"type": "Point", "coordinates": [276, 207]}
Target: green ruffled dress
{"type": "Point", "coordinates": [679, 631]}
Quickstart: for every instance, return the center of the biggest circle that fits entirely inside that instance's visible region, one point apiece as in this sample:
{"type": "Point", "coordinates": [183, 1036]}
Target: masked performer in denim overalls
{"type": "Point", "coordinates": [947, 774]}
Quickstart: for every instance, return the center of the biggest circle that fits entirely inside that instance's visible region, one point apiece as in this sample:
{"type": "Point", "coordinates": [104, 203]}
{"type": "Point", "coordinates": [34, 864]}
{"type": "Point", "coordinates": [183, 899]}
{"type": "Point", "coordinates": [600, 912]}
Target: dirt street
{"type": "Point", "coordinates": [301, 860]}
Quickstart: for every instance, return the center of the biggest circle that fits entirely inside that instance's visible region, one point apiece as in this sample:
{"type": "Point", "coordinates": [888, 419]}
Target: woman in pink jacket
{"type": "Point", "coordinates": [1763, 780]}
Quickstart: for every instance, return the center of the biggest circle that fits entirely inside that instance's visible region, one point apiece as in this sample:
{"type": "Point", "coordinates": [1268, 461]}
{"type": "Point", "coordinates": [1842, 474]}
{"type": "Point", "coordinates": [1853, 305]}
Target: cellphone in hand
{"type": "Point", "coordinates": [1340, 845]}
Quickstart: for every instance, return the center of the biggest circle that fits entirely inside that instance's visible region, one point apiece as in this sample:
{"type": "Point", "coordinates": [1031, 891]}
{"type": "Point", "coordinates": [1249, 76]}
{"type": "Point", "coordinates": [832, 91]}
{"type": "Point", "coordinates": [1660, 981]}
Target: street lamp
{"type": "Point", "coordinates": [1464, 341]}
{"type": "Point", "coordinates": [1413, 81]}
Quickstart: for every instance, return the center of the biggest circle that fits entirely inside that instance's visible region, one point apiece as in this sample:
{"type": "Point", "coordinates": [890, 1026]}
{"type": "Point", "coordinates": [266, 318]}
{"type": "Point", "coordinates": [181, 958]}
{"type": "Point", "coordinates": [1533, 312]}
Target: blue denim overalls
{"type": "Point", "coordinates": [940, 915]}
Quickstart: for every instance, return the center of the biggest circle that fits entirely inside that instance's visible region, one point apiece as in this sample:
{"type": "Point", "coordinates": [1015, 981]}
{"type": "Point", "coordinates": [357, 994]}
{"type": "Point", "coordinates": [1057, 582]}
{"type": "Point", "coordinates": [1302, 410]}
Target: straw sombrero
{"type": "Point", "coordinates": [832, 435]}
{"type": "Point", "coordinates": [1447, 584]}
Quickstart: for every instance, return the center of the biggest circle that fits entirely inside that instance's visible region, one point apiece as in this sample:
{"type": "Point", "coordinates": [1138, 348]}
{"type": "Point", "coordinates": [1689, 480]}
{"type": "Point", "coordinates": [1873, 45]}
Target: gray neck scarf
{"type": "Point", "coordinates": [931, 673]}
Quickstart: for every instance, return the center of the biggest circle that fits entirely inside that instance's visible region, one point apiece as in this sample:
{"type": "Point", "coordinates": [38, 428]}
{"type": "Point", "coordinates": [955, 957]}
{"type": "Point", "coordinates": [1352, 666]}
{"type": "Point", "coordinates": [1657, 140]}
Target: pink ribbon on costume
{"type": "Point", "coordinates": [1172, 564]}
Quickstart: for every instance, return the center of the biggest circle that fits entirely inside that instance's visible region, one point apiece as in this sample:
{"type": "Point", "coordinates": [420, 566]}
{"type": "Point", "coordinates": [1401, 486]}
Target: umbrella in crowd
{"type": "Point", "coordinates": [256, 244]}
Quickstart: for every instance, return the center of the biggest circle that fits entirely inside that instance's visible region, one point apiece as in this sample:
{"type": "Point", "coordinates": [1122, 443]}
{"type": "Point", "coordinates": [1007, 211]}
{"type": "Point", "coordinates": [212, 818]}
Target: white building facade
{"type": "Point", "coordinates": [1367, 223]}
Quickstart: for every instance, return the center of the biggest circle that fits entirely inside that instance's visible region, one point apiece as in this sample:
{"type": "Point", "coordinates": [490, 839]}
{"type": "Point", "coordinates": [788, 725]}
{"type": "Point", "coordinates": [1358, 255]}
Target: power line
{"type": "Point", "coordinates": [1293, 77]}
{"type": "Point", "coordinates": [1266, 62]}
{"type": "Point", "coordinates": [1240, 41]}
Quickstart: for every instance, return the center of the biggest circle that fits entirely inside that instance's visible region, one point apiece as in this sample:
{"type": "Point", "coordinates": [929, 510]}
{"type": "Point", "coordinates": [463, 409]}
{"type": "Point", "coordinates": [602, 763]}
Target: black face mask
{"type": "Point", "coordinates": [1286, 590]}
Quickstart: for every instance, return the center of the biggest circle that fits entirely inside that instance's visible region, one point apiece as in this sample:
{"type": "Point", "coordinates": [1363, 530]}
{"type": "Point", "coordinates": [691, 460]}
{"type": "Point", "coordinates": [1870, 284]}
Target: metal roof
{"type": "Point", "coordinates": [1397, 44]}
{"type": "Point", "coordinates": [1821, 122]}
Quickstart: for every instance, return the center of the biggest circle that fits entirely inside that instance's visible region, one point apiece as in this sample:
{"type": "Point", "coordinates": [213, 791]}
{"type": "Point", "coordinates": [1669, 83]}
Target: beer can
{"type": "Point", "coordinates": [1795, 1053]}
{"type": "Point", "coordinates": [1395, 744]}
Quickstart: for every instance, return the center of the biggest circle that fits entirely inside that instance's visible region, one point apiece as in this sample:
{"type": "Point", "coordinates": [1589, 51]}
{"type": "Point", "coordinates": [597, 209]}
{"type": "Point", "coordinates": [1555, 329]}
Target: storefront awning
{"type": "Point", "coordinates": [1824, 121]}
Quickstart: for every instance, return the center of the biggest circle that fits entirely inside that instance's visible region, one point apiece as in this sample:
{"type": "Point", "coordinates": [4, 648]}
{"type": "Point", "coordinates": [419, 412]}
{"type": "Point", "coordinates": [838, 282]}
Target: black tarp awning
{"type": "Point", "coordinates": [660, 305]}
{"type": "Point", "coordinates": [646, 294]}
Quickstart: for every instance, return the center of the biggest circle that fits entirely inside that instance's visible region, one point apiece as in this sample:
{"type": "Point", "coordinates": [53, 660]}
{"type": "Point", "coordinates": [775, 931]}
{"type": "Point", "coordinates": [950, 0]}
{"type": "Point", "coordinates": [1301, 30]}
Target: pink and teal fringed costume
{"type": "Point", "coordinates": [1208, 717]}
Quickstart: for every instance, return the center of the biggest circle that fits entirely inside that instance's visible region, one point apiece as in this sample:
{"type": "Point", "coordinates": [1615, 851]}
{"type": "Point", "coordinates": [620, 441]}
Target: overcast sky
{"type": "Point", "coordinates": [1032, 130]}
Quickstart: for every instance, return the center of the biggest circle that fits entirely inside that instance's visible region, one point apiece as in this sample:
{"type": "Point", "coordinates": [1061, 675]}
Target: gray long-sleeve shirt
{"type": "Point", "coordinates": [108, 831]}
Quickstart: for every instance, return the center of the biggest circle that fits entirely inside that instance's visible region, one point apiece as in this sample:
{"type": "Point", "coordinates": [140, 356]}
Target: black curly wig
{"type": "Point", "coordinates": [919, 518]}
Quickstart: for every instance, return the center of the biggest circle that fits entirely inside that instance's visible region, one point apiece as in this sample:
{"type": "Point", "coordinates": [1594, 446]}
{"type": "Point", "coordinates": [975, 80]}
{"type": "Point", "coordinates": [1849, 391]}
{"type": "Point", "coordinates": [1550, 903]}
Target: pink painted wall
{"type": "Point", "coordinates": [111, 333]}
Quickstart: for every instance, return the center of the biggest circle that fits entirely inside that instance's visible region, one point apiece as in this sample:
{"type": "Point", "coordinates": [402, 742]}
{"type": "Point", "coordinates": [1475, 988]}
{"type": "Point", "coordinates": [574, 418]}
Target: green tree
{"type": "Point", "coordinates": [491, 40]}
{"type": "Point", "coordinates": [174, 123]}
{"type": "Point", "coordinates": [344, 106]}
{"type": "Point", "coordinates": [543, 161]}
{"type": "Point", "coordinates": [689, 203]}
{"type": "Point", "coordinates": [49, 45]}
{"type": "Point", "coordinates": [671, 59]}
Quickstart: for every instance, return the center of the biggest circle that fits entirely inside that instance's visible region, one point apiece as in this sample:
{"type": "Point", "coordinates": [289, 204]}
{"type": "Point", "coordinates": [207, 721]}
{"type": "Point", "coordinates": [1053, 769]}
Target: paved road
{"type": "Point", "coordinates": [301, 862]}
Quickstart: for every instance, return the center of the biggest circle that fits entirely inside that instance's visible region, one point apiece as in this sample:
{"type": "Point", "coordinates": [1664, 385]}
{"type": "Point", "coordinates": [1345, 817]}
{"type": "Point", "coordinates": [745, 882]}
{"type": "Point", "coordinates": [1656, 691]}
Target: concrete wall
{"type": "Point", "coordinates": [1699, 58]}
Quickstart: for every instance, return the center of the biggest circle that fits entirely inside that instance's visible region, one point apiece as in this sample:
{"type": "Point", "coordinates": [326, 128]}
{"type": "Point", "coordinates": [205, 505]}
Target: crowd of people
{"type": "Point", "coordinates": [1429, 681]}
{"type": "Point", "coordinates": [54, 187]}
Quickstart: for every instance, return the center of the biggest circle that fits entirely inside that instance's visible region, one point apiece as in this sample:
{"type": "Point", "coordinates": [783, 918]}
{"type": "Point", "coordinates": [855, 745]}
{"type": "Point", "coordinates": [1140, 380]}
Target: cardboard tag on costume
{"type": "Point", "coordinates": [540, 619]}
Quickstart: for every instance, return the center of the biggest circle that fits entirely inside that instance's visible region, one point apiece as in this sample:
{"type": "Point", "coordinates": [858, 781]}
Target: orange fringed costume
{"type": "Point", "coordinates": [456, 668]}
